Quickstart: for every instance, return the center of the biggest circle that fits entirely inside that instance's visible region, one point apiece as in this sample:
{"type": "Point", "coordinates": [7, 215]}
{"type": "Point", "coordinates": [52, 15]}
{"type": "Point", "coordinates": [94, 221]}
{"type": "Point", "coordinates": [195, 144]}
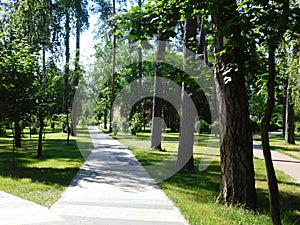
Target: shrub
{"type": "Point", "coordinates": [33, 130]}
{"type": "Point", "coordinates": [136, 123]}
{"type": "Point", "coordinates": [115, 127]}
{"type": "Point", "coordinates": [255, 125]}
{"type": "Point", "coordinates": [124, 125]}
{"type": "Point", "coordinates": [2, 131]}
{"type": "Point", "coordinates": [202, 127]}
{"type": "Point", "coordinates": [215, 127]}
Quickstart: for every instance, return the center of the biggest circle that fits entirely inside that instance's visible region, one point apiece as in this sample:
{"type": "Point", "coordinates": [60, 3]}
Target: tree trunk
{"type": "Point", "coordinates": [185, 160]}
{"type": "Point", "coordinates": [67, 71]}
{"type": "Point", "coordinates": [265, 124]}
{"type": "Point", "coordinates": [77, 52]}
{"type": "Point", "coordinates": [112, 97]}
{"type": "Point", "coordinates": [284, 116]}
{"type": "Point", "coordinates": [156, 129]}
{"type": "Point", "coordinates": [237, 183]}
{"type": "Point", "coordinates": [40, 141]}
{"type": "Point", "coordinates": [140, 69]}
{"type": "Point", "coordinates": [289, 128]}
{"type": "Point", "coordinates": [77, 71]}
{"type": "Point", "coordinates": [44, 83]}
{"type": "Point", "coordinates": [18, 133]}
{"type": "Point", "coordinates": [202, 48]}
{"type": "Point", "coordinates": [105, 118]}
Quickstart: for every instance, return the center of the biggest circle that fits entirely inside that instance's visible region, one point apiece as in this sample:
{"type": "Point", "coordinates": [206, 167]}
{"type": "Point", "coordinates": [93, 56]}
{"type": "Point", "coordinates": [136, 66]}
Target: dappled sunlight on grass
{"type": "Point", "coordinates": [195, 192]}
{"type": "Point", "coordinates": [41, 180]}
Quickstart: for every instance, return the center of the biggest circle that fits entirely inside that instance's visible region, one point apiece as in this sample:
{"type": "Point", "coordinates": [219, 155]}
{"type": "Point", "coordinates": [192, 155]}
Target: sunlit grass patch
{"type": "Point", "coordinates": [39, 180]}
{"type": "Point", "coordinates": [195, 192]}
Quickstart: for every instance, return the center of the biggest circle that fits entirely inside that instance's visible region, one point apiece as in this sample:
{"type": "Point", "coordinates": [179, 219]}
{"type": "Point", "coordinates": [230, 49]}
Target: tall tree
{"type": "Point", "coordinates": [292, 52]}
{"type": "Point", "coordinates": [237, 184]}
{"type": "Point", "coordinates": [114, 45]}
{"type": "Point", "coordinates": [67, 68]}
{"type": "Point", "coordinates": [289, 128]}
{"type": "Point", "coordinates": [81, 18]}
{"type": "Point", "coordinates": [275, 18]}
{"type": "Point", "coordinates": [186, 139]}
{"type": "Point", "coordinates": [156, 127]}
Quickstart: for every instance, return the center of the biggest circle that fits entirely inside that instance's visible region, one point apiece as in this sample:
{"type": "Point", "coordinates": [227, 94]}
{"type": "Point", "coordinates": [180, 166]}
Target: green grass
{"type": "Point", "coordinates": [278, 143]}
{"type": "Point", "coordinates": [39, 180]}
{"type": "Point", "coordinates": [195, 192]}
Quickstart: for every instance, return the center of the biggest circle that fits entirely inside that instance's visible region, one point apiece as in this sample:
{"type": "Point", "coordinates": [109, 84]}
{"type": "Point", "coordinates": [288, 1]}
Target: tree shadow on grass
{"type": "Point", "coordinates": [289, 202]}
{"type": "Point", "coordinates": [47, 176]}
{"type": "Point", "coordinates": [202, 186]}
{"type": "Point", "coordinates": [26, 164]}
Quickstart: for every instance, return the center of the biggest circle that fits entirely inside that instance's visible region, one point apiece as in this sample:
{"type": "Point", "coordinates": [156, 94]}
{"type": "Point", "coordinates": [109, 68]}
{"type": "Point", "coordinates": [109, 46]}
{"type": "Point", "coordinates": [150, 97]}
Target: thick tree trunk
{"type": "Point", "coordinates": [272, 181]}
{"type": "Point", "coordinates": [185, 160]}
{"type": "Point", "coordinates": [237, 183]}
{"type": "Point", "coordinates": [289, 128]}
{"type": "Point", "coordinates": [156, 129]}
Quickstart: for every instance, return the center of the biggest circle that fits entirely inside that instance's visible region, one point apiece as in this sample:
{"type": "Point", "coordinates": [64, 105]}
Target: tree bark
{"type": "Point", "coordinates": [67, 71]}
{"type": "Point", "coordinates": [77, 71]}
{"type": "Point", "coordinates": [105, 118]}
{"type": "Point", "coordinates": [237, 183]}
{"type": "Point", "coordinates": [77, 52]}
{"type": "Point", "coordinates": [265, 124]}
{"type": "Point", "coordinates": [185, 160]}
{"type": "Point", "coordinates": [18, 133]}
{"type": "Point", "coordinates": [112, 97]}
{"type": "Point", "coordinates": [156, 129]}
{"type": "Point", "coordinates": [140, 69]}
{"type": "Point", "coordinates": [289, 128]}
{"type": "Point", "coordinates": [40, 142]}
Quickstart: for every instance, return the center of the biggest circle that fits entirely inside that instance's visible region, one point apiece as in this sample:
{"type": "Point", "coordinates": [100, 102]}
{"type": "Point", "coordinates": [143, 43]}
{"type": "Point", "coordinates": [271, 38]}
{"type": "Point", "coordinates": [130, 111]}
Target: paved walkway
{"type": "Point", "coordinates": [111, 189]}
{"type": "Point", "coordinates": [17, 211]}
{"type": "Point", "coordinates": [287, 164]}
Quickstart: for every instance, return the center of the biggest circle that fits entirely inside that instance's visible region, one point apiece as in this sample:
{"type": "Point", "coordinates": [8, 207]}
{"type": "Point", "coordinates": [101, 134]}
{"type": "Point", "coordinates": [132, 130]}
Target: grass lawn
{"type": "Point", "coordinates": [278, 143]}
{"type": "Point", "coordinates": [194, 193]}
{"type": "Point", "coordinates": [39, 180]}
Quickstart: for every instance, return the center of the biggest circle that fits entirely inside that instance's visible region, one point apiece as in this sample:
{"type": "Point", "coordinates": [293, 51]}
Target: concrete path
{"type": "Point", "coordinates": [17, 211]}
{"type": "Point", "coordinates": [287, 164]}
{"type": "Point", "coordinates": [112, 188]}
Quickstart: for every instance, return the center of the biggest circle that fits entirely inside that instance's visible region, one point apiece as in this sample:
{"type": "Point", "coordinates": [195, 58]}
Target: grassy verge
{"type": "Point", "coordinates": [194, 193]}
{"type": "Point", "coordinates": [278, 143]}
{"type": "Point", "coordinates": [39, 180]}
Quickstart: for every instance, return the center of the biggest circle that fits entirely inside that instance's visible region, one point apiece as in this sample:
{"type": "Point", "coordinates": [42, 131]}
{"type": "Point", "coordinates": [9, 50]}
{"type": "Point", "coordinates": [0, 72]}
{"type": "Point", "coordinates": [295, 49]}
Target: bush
{"type": "Point", "coordinates": [255, 125]}
{"type": "Point", "coordinates": [215, 127]}
{"type": "Point", "coordinates": [33, 130]}
{"type": "Point", "coordinates": [202, 127]}
{"type": "Point", "coordinates": [136, 123]}
{"type": "Point", "coordinates": [2, 131]}
{"type": "Point", "coordinates": [115, 127]}
{"type": "Point", "coordinates": [124, 125]}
